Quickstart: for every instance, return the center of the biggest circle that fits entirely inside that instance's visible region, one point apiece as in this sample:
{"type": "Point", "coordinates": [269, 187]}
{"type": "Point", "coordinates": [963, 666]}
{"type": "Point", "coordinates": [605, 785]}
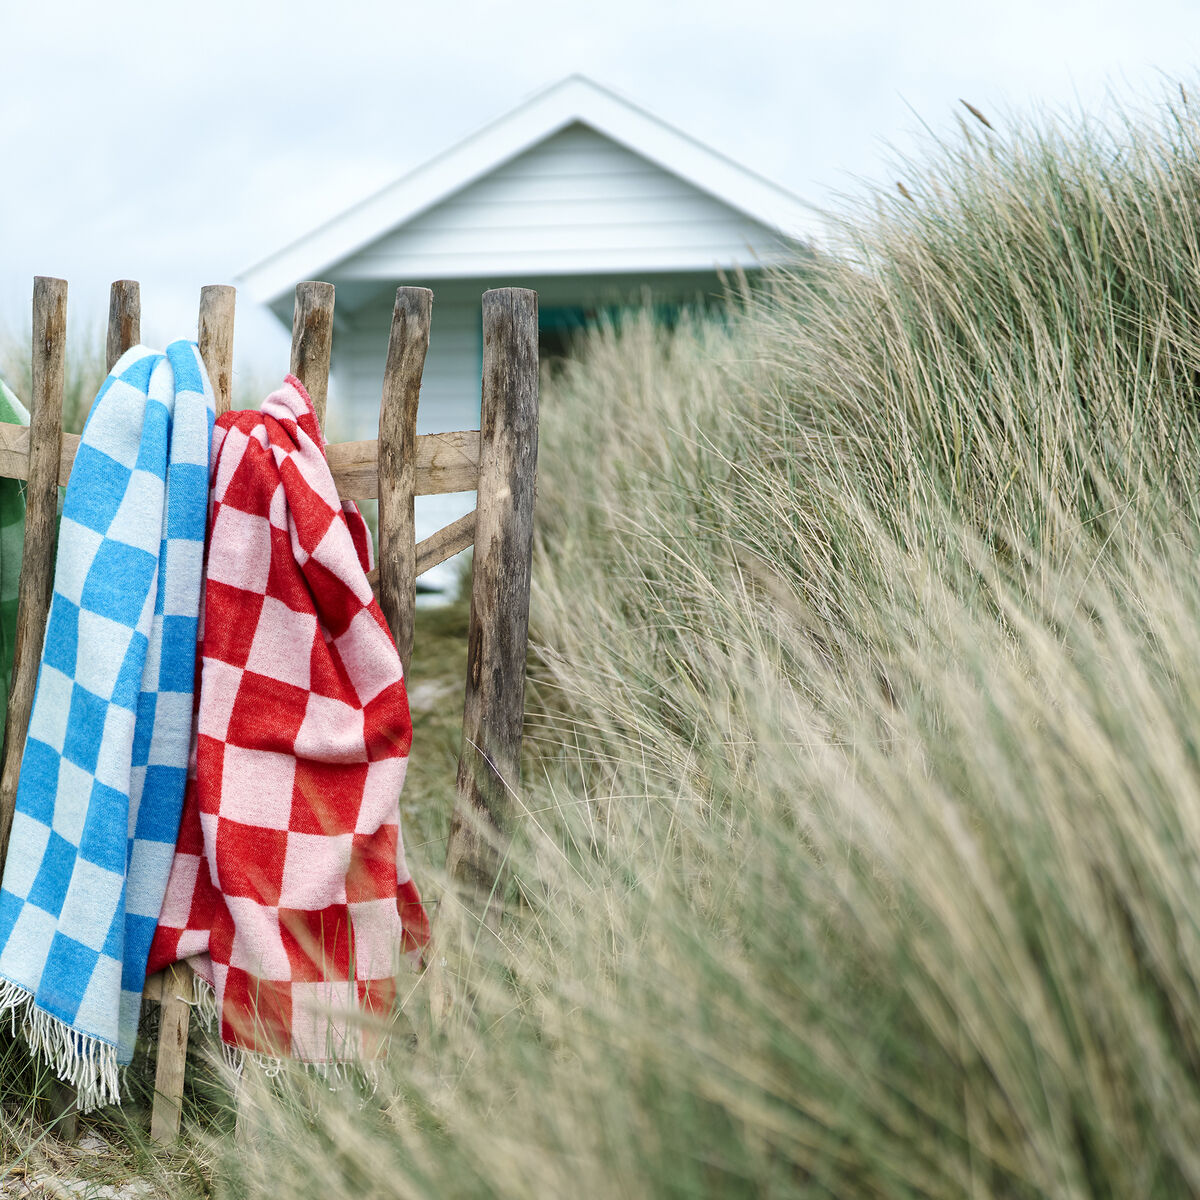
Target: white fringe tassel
{"type": "Point", "coordinates": [88, 1064]}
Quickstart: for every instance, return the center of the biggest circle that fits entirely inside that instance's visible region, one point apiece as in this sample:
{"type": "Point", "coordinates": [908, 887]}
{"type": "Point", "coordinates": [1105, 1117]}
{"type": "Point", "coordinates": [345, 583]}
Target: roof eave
{"type": "Point", "coordinates": [573, 100]}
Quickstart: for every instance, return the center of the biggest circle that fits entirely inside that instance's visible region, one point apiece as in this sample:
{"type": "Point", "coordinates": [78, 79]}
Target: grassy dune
{"type": "Point", "coordinates": [859, 852]}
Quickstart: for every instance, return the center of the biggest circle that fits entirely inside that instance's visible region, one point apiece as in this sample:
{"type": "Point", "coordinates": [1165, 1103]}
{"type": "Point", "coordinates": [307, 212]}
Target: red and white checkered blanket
{"type": "Point", "coordinates": [289, 892]}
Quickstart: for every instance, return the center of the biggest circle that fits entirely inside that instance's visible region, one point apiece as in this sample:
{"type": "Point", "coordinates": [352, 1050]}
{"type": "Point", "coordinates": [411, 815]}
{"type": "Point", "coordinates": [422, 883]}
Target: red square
{"type": "Point", "coordinates": [377, 997]}
{"type": "Point", "coordinates": [327, 675]}
{"type": "Point", "coordinates": [210, 765]}
{"type": "Point", "coordinates": [257, 1014]}
{"type": "Point", "coordinates": [360, 535]}
{"type": "Point", "coordinates": [267, 714]}
{"type": "Point", "coordinates": [285, 582]}
{"type": "Point", "coordinates": [191, 835]}
{"type": "Point", "coordinates": [336, 603]}
{"type": "Point", "coordinates": [164, 949]}
{"type": "Point", "coordinates": [372, 874]}
{"type": "Point", "coordinates": [311, 516]}
{"type": "Point", "coordinates": [250, 860]}
{"type": "Point", "coordinates": [221, 930]}
{"type": "Point", "coordinates": [230, 618]}
{"type": "Point", "coordinates": [318, 943]}
{"type": "Point", "coordinates": [413, 917]}
{"type": "Point", "coordinates": [320, 796]}
{"type": "Point", "coordinates": [251, 487]}
{"type": "Point", "coordinates": [282, 433]}
{"type": "Point", "coordinates": [387, 725]}
{"type": "Point", "coordinates": [205, 899]}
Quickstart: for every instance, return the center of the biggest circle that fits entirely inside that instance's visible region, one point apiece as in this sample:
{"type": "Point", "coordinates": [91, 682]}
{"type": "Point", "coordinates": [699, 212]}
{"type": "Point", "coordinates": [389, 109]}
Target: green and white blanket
{"type": "Point", "coordinates": [12, 535]}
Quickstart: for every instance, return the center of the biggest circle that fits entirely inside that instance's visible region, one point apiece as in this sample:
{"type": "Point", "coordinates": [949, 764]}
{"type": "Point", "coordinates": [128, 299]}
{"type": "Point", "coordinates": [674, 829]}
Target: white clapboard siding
{"type": "Point", "coordinates": [576, 202]}
{"type": "Point", "coordinates": [450, 382]}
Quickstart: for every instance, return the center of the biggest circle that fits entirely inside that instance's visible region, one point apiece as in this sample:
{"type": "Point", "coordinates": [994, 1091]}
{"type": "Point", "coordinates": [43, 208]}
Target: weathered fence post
{"type": "Point", "coordinates": [41, 510]}
{"type": "Point", "coordinates": [407, 344]}
{"type": "Point", "coordinates": [174, 1018]}
{"type": "Point", "coordinates": [124, 319]}
{"type": "Point", "coordinates": [494, 708]}
{"type": "Point", "coordinates": [312, 341]}
{"type": "Point", "coordinates": [215, 337]}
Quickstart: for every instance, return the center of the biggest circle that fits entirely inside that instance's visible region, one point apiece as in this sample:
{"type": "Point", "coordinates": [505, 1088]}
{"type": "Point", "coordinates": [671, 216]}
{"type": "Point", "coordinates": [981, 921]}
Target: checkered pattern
{"type": "Point", "coordinates": [105, 761]}
{"type": "Point", "coordinates": [12, 537]}
{"type": "Point", "coordinates": [289, 892]}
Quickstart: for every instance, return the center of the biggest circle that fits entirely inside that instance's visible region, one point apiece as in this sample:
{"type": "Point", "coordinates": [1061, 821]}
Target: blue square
{"type": "Point", "coordinates": [152, 449]}
{"type": "Point", "coordinates": [177, 668]}
{"type": "Point", "coordinates": [85, 727]}
{"type": "Point", "coordinates": [128, 687]}
{"type": "Point", "coordinates": [139, 933]}
{"type": "Point", "coordinates": [187, 501]}
{"type": "Point", "coordinates": [10, 910]}
{"type": "Point", "coordinates": [162, 802]}
{"type": "Point", "coordinates": [144, 729]}
{"type": "Point", "coordinates": [62, 635]}
{"type": "Point", "coordinates": [114, 943]}
{"type": "Point", "coordinates": [138, 373]}
{"type": "Point", "coordinates": [95, 489]}
{"type": "Point", "coordinates": [106, 828]}
{"type": "Point", "coordinates": [38, 782]}
{"type": "Point", "coordinates": [54, 875]}
{"type": "Point", "coordinates": [160, 596]}
{"type": "Point", "coordinates": [118, 581]}
{"type": "Point", "coordinates": [182, 357]}
{"type": "Point", "coordinates": [68, 972]}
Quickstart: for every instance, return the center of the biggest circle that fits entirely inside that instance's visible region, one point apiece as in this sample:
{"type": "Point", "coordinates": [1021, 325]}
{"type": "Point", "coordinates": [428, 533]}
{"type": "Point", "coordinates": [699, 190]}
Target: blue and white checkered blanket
{"type": "Point", "coordinates": [105, 762]}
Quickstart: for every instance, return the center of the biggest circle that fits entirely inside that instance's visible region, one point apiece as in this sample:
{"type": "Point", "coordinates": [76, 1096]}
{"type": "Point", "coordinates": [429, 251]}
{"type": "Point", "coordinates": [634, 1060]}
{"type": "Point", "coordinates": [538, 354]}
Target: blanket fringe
{"type": "Point", "coordinates": [333, 1074]}
{"type": "Point", "coordinates": [87, 1063]}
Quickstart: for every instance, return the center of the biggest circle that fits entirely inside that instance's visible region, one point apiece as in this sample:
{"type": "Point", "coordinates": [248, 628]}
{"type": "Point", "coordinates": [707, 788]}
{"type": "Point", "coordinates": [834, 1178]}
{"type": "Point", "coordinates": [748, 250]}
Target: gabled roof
{"type": "Point", "coordinates": [574, 99]}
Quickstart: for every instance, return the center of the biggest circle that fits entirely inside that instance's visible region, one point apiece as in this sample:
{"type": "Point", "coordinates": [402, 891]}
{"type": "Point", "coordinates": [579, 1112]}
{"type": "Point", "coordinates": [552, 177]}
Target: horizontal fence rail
{"type": "Point", "coordinates": [446, 462]}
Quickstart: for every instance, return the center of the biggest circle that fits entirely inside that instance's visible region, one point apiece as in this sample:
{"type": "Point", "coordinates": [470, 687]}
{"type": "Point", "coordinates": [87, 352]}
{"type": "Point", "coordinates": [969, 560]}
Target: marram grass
{"type": "Point", "coordinates": [859, 852]}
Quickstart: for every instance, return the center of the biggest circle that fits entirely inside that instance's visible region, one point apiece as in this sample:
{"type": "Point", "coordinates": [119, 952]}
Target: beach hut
{"type": "Point", "coordinates": [577, 193]}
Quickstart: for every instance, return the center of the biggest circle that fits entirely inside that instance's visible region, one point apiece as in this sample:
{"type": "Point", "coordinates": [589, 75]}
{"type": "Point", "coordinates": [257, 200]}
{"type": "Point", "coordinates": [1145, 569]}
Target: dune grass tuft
{"type": "Point", "coordinates": [859, 851]}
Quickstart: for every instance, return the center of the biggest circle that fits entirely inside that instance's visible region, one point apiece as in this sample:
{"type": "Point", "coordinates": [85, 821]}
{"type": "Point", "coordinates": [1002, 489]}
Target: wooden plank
{"type": "Point", "coordinates": [14, 453]}
{"type": "Point", "coordinates": [397, 469]}
{"type": "Point", "coordinates": [177, 996]}
{"type": "Point", "coordinates": [494, 706]}
{"type": "Point", "coordinates": [153, 987]}
{"type": "Point", "coordinates": [215, 338]}
{"type": "Point", "coordinates": [312, 341]}
{"type": "Point", "coordinates": [124, 319]}
{"type": "Point", "coordinates": [446, 462]}
{"type": "Point", "coordinates": [446, 543]}
{"type": "Point", "coordinates": [41, 507]}
{"type": "Point", "coordinates": [438, 547]}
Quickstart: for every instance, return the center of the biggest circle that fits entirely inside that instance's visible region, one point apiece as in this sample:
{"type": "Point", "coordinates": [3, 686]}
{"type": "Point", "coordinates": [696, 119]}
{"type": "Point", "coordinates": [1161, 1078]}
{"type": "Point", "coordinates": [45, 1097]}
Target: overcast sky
{"type": "Point", "coordinates": [179, 144]}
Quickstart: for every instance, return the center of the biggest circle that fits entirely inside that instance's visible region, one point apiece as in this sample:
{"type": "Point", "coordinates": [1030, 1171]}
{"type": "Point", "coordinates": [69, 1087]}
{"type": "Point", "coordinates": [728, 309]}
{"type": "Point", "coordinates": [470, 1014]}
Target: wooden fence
{"type": "Point", "coordinates": [498, 460]}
